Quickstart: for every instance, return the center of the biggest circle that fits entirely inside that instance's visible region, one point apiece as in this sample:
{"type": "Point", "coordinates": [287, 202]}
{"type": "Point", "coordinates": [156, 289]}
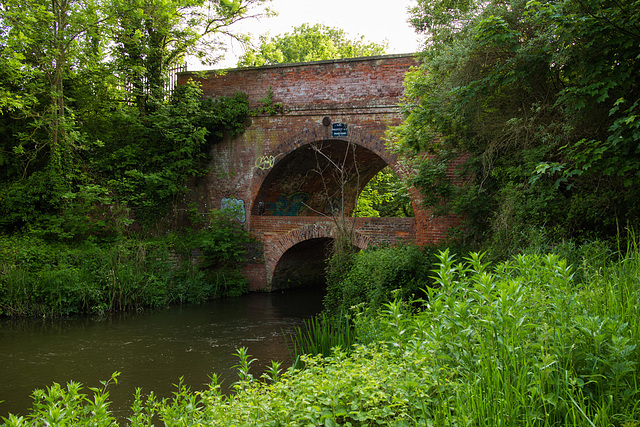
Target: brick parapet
{"type": "Point", "coordinates": [346, 83]}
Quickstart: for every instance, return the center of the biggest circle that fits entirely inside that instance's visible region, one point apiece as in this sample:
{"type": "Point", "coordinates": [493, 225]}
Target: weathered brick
{"type": "Point", "coordinates": [257, 167]}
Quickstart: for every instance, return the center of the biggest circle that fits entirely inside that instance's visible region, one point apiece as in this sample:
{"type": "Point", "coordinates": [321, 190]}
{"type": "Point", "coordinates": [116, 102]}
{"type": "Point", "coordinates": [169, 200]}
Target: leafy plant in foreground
{"type": "Point", "coordinates": [376, 276]}
{"type": "Point", "coordinates": [514, 344]}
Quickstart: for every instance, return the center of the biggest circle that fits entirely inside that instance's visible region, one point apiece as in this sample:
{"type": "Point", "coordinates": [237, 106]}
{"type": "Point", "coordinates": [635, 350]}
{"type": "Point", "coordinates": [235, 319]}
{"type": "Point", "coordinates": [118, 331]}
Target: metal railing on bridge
{"type": "Point", "coordinates": [170, 81]}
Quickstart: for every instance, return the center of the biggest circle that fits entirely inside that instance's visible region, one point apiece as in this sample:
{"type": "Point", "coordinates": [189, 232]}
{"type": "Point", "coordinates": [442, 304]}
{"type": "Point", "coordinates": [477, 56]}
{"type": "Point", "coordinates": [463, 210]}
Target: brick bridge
{"type": "Point", "coordinates": [291, 172]}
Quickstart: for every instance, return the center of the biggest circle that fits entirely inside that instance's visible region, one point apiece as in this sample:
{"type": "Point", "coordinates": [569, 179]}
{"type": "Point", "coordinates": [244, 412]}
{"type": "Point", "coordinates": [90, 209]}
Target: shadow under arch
{"type": "Point", "coordinates": [291, 159]}
{"type": "Point", "coordinates": [302, 258]}
{"type": "Point", "coordinates": [302, 265]}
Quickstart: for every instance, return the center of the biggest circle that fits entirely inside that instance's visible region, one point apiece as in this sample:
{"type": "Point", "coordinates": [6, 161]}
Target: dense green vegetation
{"type": "Point", "coordinates": [91, 136]}
{"type": "Point", "coordinates": [43, 278]}
{"type": "Point", "coordinates": [138, 167]}
{"type": "Point", "coordinates": [385, 195]}
{"type": "Point", "coordinates": [517, 343]}
{"type": "Point", "coordinates": [96, 150]}
{"type": "Point", "coordinates": [542, 97]}
{"type": "Point", "coordinates": [308, 43]}
{"type": "Point", "coordinates": [373, 277]}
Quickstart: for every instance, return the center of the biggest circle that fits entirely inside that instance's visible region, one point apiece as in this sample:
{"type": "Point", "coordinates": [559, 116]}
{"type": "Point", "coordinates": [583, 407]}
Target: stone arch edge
{"type": "Point", "coordinates": [313, 231]}
{"type": "Point", "coordinates": [320, 133]}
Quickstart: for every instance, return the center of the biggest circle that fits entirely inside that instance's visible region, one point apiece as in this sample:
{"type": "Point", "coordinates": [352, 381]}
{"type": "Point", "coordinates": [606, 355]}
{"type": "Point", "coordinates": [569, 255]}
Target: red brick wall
{"type": "Point", "coordinates": [362, 93]}
{"type": "Point", "coordinates": [374, 82]}
{"type": "Point", "coordinates": [280, 234]}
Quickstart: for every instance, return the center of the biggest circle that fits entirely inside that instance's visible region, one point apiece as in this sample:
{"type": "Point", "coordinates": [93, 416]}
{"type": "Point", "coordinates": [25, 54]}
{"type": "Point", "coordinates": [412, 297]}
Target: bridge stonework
{"type": "Point", "coordinates": [274, 171]}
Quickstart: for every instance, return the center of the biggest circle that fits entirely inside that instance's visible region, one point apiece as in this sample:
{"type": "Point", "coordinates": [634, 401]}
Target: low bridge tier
{"type": "Point", "coordinates": [295, 247]}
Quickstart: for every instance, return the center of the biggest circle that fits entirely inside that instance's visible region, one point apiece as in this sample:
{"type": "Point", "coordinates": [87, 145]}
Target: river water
{"type": "Point", "coordinates": [152, 350]}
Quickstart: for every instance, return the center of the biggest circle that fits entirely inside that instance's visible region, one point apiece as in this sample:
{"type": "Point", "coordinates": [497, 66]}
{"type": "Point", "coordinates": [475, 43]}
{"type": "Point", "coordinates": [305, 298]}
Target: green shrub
{"type": "Point", "coordinates": [376, 276]}
{"type": "Point", "coordinates": [515, 344]}
{"type": "Point", "coordinates": [213, 256]}
{"type": "Point", "coordinates": [41, 278]}
{"type": "Point", "coordinates": [60, 406]}
{"type": "Point", "coordinates": [530, 346]}
{"type": "Point", "coordinates": [221, 241]}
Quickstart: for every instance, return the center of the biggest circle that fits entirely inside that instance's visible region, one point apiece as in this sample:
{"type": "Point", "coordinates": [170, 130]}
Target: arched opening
{"type": "Point", "coordinates": [302, 265]}
{"type": "Point", "coordinates": [319, 184]}
{"type": "Point", "coordinates": [317, 179]}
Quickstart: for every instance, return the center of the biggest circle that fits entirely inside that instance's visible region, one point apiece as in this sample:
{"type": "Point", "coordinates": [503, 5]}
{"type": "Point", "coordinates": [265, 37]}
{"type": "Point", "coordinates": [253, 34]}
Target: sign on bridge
{"type": "Point", "coordinates": [339, 130]}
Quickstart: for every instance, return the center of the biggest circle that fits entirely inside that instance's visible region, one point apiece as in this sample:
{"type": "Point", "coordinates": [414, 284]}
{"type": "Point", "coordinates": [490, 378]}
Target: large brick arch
{"type": "Point", "coordinates": [317, 230]}
{"type": "Point", "coordinates": [318, 134]}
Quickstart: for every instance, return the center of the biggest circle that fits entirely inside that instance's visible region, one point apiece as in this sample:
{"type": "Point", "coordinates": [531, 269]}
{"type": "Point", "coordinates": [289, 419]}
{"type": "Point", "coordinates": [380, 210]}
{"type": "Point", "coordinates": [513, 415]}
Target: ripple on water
{"type": "Point", "coordinates": [152, 350]}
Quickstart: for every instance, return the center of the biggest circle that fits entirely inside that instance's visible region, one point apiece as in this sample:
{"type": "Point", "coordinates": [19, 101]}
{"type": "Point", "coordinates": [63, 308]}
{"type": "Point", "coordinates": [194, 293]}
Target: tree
{"type": "Point", "coordinates": [148, 159]}
{"type": "Point", "coordinates": [385, 195]}
{"type": "Point", "coordinates": [308, 43]}
{"type": "Point", "coordinates": [153, 36]}
{"type": "Point", "coordinates": [62, 105]}
{"type": "Point", "coordinates": [45, 45]}
{"type": "Point", "coordinates": [543, 99]}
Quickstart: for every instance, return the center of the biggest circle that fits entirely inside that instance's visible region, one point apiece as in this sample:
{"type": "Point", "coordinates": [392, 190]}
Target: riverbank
{"type": "Point", "coordinates": [519, 343]}
{"type": "Point", "coordinates": [41, 278]}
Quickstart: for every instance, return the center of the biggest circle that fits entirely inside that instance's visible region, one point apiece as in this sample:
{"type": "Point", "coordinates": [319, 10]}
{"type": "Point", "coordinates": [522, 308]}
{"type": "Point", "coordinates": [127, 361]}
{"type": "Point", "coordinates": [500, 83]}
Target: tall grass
{"type": "Point", "coordinates": [51, 279]}
{"type": "Point", "coordinates": [320, 335]}
{"type": "Point", "coordinates": [532, 341]}
{"type": "Point", "coordinates": [524, 344]}
{"type": "Point", "coordinates": [521, 343]}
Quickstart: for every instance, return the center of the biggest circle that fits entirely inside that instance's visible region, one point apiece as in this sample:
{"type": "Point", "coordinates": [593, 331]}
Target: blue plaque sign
{"type": "Point", "coordinates": [339, 130]}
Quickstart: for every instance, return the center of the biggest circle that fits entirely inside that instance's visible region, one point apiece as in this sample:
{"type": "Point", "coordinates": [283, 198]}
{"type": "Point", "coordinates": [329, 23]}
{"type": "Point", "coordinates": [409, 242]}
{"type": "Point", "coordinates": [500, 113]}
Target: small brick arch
{"type": "Point", "coordinates": [302, 234]}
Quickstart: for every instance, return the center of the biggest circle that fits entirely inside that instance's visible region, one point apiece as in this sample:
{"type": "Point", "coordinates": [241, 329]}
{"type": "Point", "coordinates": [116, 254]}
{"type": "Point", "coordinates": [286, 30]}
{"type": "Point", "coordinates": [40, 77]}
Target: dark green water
{"type": "Point", "coordinates": [151, 350]}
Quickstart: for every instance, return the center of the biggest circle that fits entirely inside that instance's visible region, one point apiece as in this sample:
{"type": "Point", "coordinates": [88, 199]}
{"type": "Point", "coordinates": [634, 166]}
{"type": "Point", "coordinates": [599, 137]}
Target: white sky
{"type": "Point", "coordinates": [377, 20]}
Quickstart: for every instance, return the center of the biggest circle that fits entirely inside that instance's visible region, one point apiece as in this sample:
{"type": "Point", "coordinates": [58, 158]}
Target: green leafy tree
{"type": "Point", "coordinates": [309, 43]}
{"type": "Point", "coordinates": [542, 98]}
{"type": "Point", "coordinates": [148, 158]}
{"type": "Point", "coordinates": [385, 195]}
{"type": "Point", "coordinates": [45, 46]}
{"type": "Point", "coordinates": [70, 71]}
{"type": "Point", "coordinates": [153, 36]}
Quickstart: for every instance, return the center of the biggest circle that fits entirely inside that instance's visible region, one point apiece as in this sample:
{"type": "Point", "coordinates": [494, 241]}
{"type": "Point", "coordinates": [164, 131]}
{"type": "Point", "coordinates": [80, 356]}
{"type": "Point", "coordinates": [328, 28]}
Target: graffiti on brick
{"type": "Point", "coordinates": [332, 207]}
{"type": "Point", "coordinates": [266, 162]}
{"type": "Point", "coordinates": [235, 207]}
{"type": "Point", "coordinates": [291, 205]}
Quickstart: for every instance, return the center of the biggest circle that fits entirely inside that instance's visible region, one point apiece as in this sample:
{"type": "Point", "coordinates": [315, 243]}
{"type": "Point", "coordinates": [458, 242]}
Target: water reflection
{"type": "Point", "coordinates": [151, 350]}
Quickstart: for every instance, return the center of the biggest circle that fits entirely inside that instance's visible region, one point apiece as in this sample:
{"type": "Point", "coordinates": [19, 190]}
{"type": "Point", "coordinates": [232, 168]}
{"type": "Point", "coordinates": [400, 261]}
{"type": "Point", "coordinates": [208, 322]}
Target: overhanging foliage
{"type": "Point", "coordinates": [544, 97]}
